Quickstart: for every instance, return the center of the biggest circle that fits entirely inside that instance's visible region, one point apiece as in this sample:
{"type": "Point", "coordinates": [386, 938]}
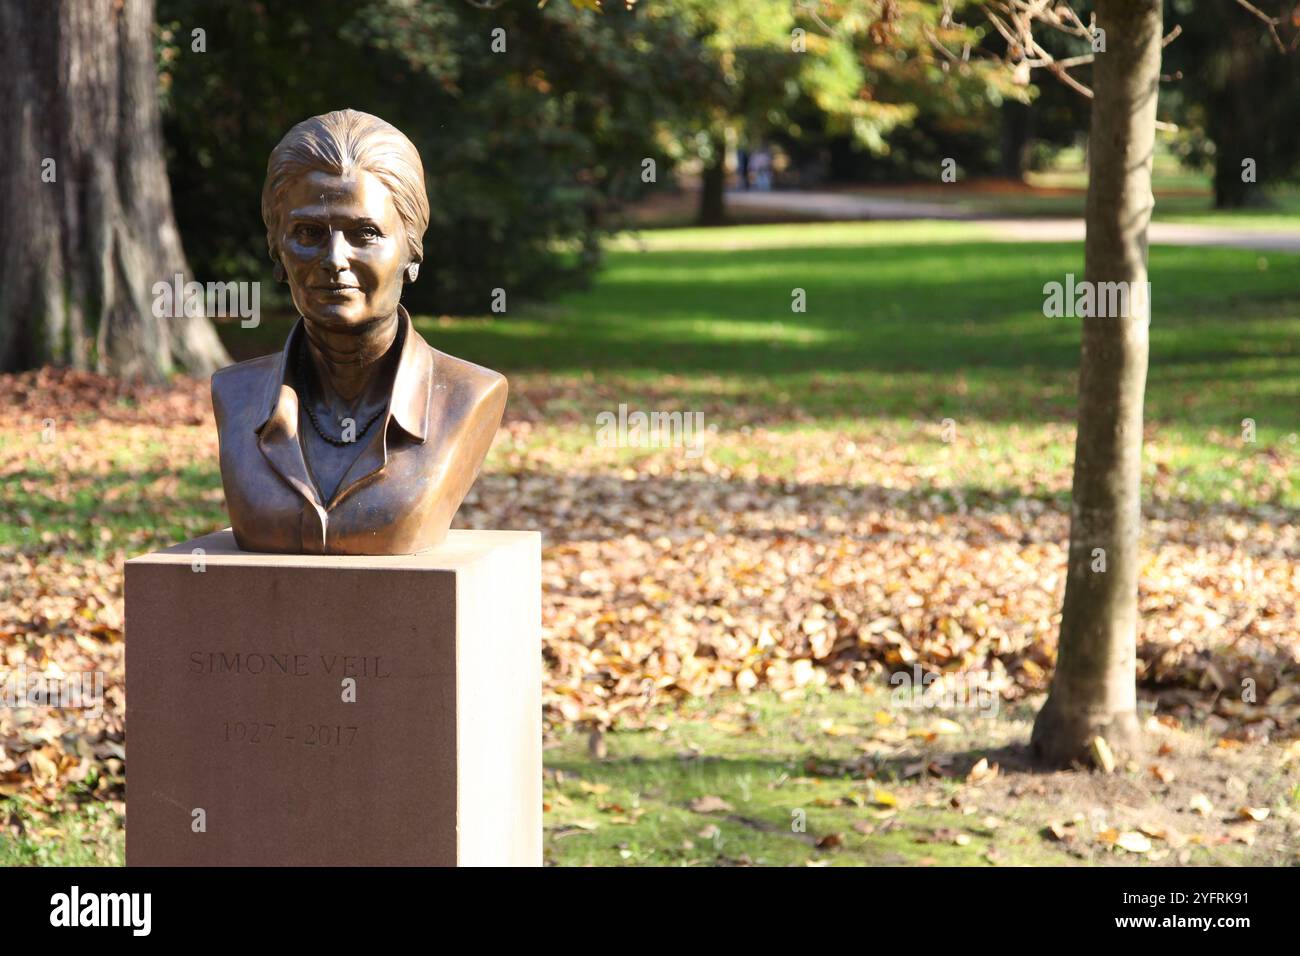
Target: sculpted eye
{"type": "Point", "coordinates": [306, 232]}
{"type": "Point", "coordinates": [369, 232]}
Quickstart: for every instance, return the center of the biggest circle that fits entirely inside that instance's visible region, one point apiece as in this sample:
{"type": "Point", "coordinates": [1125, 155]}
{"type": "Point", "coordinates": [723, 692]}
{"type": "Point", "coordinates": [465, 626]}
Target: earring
{"type": "Point", "coordinates": [412, 271]}
{"type": "Point", "coordinates": [278, 272]}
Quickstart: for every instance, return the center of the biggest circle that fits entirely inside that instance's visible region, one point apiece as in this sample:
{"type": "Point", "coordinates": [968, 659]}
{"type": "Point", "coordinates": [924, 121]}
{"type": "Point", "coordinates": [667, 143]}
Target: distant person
{"type": "Point", "coordinates": [761, 165]}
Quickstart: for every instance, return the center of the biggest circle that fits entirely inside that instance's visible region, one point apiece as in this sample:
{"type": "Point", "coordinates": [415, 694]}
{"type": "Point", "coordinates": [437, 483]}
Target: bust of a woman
{"type": "Point", "coordinates": [357, 438]}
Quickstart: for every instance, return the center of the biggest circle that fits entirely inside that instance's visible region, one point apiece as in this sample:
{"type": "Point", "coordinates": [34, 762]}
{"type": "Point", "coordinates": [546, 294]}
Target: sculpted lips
{"type": "Point", "coordinates": [335, 288]}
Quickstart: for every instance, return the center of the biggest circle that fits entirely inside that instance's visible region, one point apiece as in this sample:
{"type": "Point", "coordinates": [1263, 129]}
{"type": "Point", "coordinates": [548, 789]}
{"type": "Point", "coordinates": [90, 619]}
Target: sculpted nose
{"type": "Point", "coordinates": [336, 252]}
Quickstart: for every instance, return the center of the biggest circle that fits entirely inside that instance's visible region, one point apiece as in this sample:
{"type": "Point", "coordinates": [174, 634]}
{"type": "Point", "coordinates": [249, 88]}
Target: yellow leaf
{"type": "Point", "coordinates": [982, 771]}
{"type": "Point", "coordinates": [1292, 752]}
{"type": "Point", "coordinates": [1102, 755]}
{"type": "Point", "coordinates": [44, 770]}
{"type": "Point", "coordinates": [1033, 670]}
{"type": "Point", "coordinates": [839, 730]}
{"type": "Point", "coordinates": [883, 798]}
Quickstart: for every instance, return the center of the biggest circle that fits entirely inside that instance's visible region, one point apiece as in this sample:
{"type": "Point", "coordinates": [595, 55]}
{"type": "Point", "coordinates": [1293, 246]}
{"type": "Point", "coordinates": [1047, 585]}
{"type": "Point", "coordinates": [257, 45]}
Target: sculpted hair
{"type": "Point", "coordinates": [339, 143]}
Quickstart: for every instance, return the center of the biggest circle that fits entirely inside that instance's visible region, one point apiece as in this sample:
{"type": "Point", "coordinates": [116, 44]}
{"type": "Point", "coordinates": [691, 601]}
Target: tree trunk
{"type": "Point", "coordinates": [1233, 125]}
{"type": "Point", "coordinates": [713, 203]}
{"type": "Point", "coordinates": [1230, 191]}
{"type": "Point", "coordinates": [88, 226]}
{"type": "Point", "coordinates": [1094, 688]}
{"type": "Point", "coordinates": [1014, 140]}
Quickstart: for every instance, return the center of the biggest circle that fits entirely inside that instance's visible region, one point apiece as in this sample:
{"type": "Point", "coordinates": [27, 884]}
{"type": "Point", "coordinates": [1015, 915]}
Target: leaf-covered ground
{"type": "Point", "coordinates": [834, 529]}
{"type": "Point", "coordinates": [830, 779]}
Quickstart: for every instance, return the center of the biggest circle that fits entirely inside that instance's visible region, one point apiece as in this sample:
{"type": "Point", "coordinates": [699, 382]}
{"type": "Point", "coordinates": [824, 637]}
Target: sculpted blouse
{"type": "Point", "coordinates": [409, 477]}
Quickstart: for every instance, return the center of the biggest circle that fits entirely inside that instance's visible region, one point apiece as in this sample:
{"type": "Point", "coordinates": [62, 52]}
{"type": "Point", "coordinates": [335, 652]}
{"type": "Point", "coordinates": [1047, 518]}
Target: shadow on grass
{"type": "Point", "coordinates": [912, 329]}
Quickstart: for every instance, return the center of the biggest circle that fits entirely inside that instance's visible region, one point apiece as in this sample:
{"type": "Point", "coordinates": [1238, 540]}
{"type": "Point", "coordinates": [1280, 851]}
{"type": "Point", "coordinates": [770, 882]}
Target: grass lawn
{"type": "Point", "coordinates": [832, 779]}
{"type": "Point", "coordinates": [808, 781]}
{"type": "Point", "coordinates": [1182, 204]}
{"type": "Point", "coordinates": [903, 320]}
{"type": "Point", "coordinates": [908, 324]}
{"type": "Point", "coordinates": [828, 493]}
{"type": "Point", "coordinates": [1181, 197]}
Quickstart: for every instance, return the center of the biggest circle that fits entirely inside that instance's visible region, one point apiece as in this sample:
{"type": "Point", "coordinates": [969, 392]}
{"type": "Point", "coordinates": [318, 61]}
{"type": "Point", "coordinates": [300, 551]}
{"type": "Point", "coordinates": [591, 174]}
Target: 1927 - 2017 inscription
{"type": "Point", "coordinates": [286, 664]}
{"type": "Point", "coordinates": [309, 735]}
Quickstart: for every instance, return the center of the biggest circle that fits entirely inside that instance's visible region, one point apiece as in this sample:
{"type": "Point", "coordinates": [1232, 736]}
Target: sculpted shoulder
{"type": "Point", "coordinates": [474, 383]}
{"type": "Point", "coordinates": [242, 386]}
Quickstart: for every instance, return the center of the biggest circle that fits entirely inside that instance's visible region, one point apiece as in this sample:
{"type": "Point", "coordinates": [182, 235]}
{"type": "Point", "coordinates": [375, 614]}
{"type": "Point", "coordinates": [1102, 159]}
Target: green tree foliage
{"type": "Point", "coordinates": [845, 74]}
{"type": "Point", "coordinates": [529, 151]}
{"type": "Point", "coordinates": [949, 102]}
{"type": "Point", "coordinates": [770, 61]}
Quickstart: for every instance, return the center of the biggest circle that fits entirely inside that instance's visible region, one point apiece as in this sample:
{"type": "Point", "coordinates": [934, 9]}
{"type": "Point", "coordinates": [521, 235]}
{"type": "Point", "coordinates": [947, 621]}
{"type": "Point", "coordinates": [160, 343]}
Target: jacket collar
{"type": "Point", "coordinates": [409, 404]}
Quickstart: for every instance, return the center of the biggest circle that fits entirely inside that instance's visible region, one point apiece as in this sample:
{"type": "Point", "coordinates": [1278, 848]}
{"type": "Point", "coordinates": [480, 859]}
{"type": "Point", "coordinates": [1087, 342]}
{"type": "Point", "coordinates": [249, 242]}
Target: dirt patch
{"type": "Point", "coordinates": [1191, 791]}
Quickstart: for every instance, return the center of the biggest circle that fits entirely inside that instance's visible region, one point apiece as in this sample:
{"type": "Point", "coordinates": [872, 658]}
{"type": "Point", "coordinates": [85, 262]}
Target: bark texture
{"type": "Point", "coordinates": [84, 239]}
{"type": "Point", "coordinates": [1094, 690]}
{"type": "Point", "coordinates": [713, 186]}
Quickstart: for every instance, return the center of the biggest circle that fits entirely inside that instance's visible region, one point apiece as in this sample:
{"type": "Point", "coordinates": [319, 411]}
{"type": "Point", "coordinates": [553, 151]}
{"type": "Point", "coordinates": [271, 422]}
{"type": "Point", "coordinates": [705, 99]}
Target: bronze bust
{"type": "Point", "coordinates": [358, 438]}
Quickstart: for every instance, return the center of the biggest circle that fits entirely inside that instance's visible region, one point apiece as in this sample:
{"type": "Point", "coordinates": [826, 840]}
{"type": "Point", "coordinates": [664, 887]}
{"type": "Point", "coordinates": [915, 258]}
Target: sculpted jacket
{"type": "Point", "coordinates": [409, 477]}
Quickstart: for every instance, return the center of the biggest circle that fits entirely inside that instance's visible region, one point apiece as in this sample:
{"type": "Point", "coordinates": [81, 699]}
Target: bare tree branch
{"type": "Point", "coordinates": [1271, 22]}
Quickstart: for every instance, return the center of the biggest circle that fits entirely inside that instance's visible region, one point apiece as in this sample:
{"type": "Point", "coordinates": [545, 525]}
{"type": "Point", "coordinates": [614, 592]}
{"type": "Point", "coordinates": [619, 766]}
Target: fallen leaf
{"type": "Point", "coordinates": [1201, 804]}
{"type": "Point", "coordinates": [883, 798]}
{"type": "Point", "coordinates": [838, 730]}
{"type": "Point", "coordinates": [1162, 773]}
{"type": "Point", "coordinates": [1133, 842]}
{"type": "Point", "coordinates": [709, 804]}
{"type": "Point", "coordinates": [1102, 756]}
{"type": "Point", "coordinates": [1243, 833]}
{"type": "Point", "coordinates": [1292, 752]}
{"type": "Point", "coordinates": [1061, 831]}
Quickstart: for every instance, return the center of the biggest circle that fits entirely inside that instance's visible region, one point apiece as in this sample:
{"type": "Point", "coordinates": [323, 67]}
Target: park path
{"type": "Point", "coordinates": [841, 206]}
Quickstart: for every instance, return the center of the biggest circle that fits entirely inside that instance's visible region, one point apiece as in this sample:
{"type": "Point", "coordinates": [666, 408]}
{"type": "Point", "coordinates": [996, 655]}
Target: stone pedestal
{"type": "Point", "coordinates": [304, 710]}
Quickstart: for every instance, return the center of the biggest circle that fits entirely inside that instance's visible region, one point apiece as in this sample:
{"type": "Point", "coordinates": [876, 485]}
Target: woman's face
{"type": "Point", "coordinates": [343, 248]}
